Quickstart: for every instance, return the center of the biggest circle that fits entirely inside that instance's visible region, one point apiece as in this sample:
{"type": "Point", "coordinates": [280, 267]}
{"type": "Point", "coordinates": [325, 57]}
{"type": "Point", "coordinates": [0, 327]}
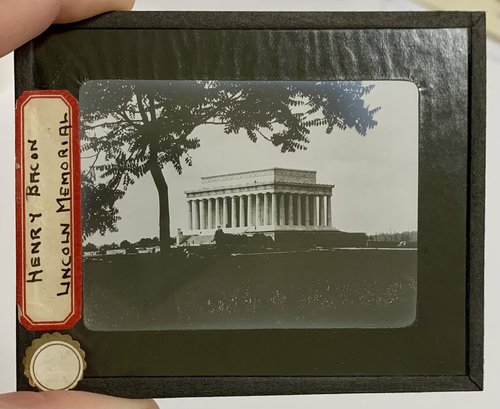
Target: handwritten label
{"type": "Point", "coordinates": [48, 210]}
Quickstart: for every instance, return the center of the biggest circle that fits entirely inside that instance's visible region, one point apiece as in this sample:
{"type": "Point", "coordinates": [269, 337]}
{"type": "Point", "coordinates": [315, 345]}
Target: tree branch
{"type": "Point", "coordinates": [213, 110]}
{"type": "Point", "coordinates": [88, 157]}
{"type": "Point", "coordinates": [88, 127]}
{"type": "Point", "coordinates": [142, 111]}
{"type": "Point", "coordinates": [152, 109]}
{"type": "Point", "coordinates": [264, 136]}
{"type": "Point", "coordinates": [124, 115]}
{"type": "Point", "coordinates": [215, 122]}
{"type": "Point", "coordinates": [91, 167]}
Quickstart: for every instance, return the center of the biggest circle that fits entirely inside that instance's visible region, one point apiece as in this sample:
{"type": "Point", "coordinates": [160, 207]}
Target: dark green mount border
{"type": "Point", "coordinates": [269, 385]}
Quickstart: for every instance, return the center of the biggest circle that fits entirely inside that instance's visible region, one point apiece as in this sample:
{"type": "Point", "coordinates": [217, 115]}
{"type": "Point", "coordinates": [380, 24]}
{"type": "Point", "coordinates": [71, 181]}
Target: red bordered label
{"type": "Point", "coordinates": [48, 210]}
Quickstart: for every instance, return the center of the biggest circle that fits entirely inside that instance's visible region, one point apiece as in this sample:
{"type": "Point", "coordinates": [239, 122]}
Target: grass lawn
{"type": "Point", "coordinates": [340, 288]}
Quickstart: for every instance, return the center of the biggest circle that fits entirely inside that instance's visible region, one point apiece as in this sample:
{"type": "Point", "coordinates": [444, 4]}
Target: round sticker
{"type": "Point", "coordinates": [54, 362]}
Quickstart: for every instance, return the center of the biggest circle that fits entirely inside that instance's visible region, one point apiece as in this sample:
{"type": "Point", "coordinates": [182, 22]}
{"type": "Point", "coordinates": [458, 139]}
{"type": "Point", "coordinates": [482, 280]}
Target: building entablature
{"type": "Point", "coordinates": [253, 189]}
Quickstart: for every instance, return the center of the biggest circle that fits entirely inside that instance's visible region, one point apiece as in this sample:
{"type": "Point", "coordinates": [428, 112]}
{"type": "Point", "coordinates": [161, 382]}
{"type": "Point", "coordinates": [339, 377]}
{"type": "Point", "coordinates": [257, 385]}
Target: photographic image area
{"type": "Point", "coordinates": [249, 204]}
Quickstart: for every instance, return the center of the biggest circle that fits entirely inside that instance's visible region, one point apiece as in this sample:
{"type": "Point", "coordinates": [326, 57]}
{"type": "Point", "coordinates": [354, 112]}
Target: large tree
{"type": "Point", "coordinates": [131, 129]}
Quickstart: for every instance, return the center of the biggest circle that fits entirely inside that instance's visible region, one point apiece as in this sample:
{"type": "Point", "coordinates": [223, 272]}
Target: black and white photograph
{"type": "Point", "coordinates": [249, 204]}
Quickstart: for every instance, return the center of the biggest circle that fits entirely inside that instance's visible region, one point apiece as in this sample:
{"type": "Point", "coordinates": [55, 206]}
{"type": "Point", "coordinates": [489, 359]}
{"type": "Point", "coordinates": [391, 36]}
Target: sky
{"type": "Point", "coordinates": [375, 176]}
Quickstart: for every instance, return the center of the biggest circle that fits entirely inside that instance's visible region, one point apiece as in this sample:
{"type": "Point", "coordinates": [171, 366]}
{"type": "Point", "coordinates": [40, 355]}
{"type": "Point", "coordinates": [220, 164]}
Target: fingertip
{"type": "Point", "coordinates": [152, 404]}
{"type": "Point", "coordinates": [71, 399]}
{"type": "Point", "coordinates": [71, 10]}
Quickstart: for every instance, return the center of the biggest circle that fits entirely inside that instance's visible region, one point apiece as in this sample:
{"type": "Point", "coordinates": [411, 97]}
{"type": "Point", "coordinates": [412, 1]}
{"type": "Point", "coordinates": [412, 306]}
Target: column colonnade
{"type": "Point", "coordinates": [260, 209]}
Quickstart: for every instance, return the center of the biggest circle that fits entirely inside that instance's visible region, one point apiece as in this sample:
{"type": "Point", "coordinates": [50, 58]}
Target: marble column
{"type": "Point", "coordinates": [299, 209]}
{"type": "Point", "coordinates": [190, 215]}
{"type": "Point", "coordinates": [282, 219]}
{"type": "Point", "coordinates": [234, 220]}
{"type": "Point", "coordinates": [307, 210]}
{"type": "Point", "coordinates": [249, 210]}
{"type": "Point", "coordinates": [290, 209]}
{"type": "Point", "coordinates": [203, 220]}
{"type": "Point", "coordinates": [321, 210]}
{"type": "Point", "coordinates": [196, 214]}
{"type": "Point", "coordinates": [217, 212]}
{"type": "Point", "coordinates": [210, 222]}
{"type": "Point", "coordinates": [242, 211]}
{"type": "Point", "coordinates": [274, 209]}
{"type": "Point", "coordinates": [328, 210]}
{"type": "Point", "coordinates": [266, 209]}
{"type": "Point", "coordinates": [225, 212]}
{"type": "Point", "coordinates": [315, 210]}
{"type": "Point", "coordinates": [257, 210]}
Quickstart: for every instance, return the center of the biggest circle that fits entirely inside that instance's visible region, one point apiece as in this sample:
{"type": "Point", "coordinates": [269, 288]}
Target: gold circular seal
{"type": "Point", "coordinates": [54, 362]}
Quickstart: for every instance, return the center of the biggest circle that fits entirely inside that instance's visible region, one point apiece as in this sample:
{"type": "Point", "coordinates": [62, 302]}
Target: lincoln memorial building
{"type": "Point", "coordinates": [267, 200]}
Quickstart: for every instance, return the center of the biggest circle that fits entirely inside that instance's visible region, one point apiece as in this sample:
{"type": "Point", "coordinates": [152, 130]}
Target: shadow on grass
{"type": "Point", "coordinates": [341, 288]}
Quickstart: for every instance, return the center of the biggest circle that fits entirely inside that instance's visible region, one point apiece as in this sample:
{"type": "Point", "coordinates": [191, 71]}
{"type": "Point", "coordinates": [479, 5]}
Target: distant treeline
{"type": "Point", "coordinates": [408, 236]}
{"type": "Point", "coordinates": [145, 242]}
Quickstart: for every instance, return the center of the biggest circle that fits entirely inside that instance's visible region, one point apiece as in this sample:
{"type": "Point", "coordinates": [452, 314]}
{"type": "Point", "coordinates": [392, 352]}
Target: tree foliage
{"type": "Point", "coordinates": [99, 213]}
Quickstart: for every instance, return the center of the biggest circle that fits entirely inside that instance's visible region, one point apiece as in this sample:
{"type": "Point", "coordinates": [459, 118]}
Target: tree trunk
{"type": "Point", "coordinates": [164, 216]}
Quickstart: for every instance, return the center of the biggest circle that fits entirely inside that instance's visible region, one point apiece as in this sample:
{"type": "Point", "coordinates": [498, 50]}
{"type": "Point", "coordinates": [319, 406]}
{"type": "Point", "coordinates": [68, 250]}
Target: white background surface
{"type": "Point", "coordinates": [490, 398]}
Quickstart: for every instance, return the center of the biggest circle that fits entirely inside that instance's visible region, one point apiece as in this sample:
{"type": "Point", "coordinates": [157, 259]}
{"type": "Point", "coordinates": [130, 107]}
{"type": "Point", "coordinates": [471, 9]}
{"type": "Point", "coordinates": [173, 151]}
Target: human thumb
{"type": "Point", "coordinates": [70, 399]}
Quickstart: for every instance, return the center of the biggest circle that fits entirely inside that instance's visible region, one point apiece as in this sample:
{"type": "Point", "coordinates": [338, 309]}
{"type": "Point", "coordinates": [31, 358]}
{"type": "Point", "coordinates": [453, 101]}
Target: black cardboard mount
{"type": "Point", "coordinates": [31, 73]}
